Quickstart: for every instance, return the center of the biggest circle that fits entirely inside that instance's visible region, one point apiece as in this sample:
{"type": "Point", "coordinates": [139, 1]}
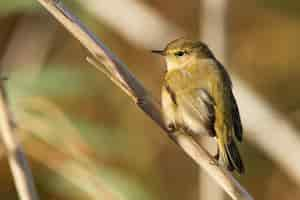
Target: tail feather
{"type": "Point", "coordinates": [230, 157]}
{"type": "Point", "coordinates": [235, 159]}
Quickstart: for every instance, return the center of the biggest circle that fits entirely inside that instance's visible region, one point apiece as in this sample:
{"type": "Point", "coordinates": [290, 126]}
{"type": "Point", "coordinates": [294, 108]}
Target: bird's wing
{"type": "Point", "coordinates": [234, 110]}
{"type": "Point", "coordinates": [236, 119]}
{"type": "Point", "coordinates": [197, 111]}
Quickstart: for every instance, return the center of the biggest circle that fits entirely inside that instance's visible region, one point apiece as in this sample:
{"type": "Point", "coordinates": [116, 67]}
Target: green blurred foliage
{"type": "Point", "coordinates": [50, 81]}
{"type": "Point", "coordinates": [13, 6]}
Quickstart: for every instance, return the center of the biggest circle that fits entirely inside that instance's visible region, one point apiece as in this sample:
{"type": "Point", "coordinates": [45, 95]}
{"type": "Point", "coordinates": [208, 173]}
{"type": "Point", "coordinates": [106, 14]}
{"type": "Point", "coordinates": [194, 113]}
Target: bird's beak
{"type": "Point", "coordinates": [160, 52]}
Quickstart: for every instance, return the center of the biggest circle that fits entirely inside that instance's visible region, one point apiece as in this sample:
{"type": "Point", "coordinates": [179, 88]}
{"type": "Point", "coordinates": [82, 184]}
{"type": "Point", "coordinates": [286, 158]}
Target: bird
{"type": "Point", "coordinates": [197, 99]}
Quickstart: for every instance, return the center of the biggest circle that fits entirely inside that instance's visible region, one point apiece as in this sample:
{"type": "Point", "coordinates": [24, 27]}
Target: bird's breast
{"type": "Point", "coordinates": [189, 78]}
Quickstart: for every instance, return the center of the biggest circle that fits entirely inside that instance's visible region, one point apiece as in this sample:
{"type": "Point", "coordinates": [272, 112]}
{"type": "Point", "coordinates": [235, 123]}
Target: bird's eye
{"type": "Point", "coordinates": [179, 53]}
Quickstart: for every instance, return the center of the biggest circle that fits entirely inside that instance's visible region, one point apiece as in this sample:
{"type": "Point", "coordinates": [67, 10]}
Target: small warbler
{"type": "Point", "coordinates": [197, 99]}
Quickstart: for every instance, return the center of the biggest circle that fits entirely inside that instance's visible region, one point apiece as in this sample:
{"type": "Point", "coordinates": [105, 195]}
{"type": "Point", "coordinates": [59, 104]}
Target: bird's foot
{"type": "Point", "coordinates": [216, 158]}
{"type": "Point", "coordinates": [171, 127]}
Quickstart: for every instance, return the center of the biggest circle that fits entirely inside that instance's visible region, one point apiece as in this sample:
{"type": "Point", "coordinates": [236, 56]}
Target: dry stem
{"type": "Point", "coordinates": [17, 160]}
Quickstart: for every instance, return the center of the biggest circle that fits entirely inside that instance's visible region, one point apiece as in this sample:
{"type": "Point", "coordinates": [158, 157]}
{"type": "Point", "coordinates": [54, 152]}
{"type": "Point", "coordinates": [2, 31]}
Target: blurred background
{"type": "Point", "coordinates": [84, 137]}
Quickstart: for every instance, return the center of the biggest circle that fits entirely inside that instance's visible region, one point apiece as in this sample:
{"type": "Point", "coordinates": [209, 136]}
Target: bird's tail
{"type": "Point", "coordinates": [230, 156]}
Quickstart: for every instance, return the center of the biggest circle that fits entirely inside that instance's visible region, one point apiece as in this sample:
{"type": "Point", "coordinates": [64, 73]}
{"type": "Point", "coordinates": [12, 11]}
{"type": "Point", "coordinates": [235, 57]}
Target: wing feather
{"type": "Point", "coordinates": [197, 110]}
{"type": "Point", "coordinates": [236, 119]}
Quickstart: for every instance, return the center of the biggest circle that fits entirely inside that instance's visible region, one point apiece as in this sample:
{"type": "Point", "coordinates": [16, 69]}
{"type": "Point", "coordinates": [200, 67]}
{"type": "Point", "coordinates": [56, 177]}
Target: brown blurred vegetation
{"type": "Point", "coordinates": [85, 138]}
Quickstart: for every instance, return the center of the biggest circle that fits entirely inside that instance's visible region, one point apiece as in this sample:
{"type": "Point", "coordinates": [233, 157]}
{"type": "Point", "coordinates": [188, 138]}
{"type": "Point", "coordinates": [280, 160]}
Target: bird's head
{"type": "Point", "coordinates": [182, 52]}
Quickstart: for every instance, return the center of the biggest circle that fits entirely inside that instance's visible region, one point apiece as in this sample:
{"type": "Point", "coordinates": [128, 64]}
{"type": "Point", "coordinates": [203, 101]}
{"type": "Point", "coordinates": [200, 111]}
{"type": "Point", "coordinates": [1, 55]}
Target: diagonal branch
{"type": "Point", "coordinates": [17, 160]}
{"type": "Point", "coordinates": [119, 74]}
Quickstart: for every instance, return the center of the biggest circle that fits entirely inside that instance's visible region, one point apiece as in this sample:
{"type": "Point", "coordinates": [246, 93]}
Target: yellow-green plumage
{"type": "Point", "coordinates": [197, 98]}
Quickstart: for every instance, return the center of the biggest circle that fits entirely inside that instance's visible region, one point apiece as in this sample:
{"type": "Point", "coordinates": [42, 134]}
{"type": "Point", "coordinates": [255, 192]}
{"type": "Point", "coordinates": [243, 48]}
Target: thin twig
{"type": "Point", "coordinates": [30, 53]}
{"type": "Point", "coordinates": [142, 97]}
{"type": "Point", "coordinates": [116, 81]}
{"type": "Point", "coordinates": [17, 159]}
